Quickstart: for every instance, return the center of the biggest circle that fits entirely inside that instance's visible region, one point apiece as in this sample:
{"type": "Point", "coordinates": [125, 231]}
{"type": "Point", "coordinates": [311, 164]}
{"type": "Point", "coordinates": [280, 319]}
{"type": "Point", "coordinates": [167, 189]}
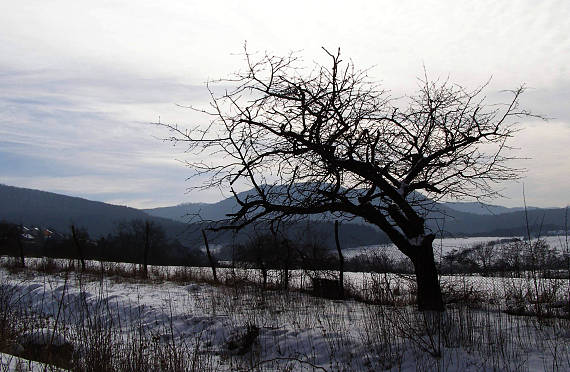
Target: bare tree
{"type": "Point", "coordinates": [136, 234]}
{"type": "Point", "coordinates": [211, 260]}
{"type": "Point", "coordinates": [77, 236]}
{"type": "Point", "coordinates": [484, 255]}
{"type": "Point", "coordinates": [330, 141]}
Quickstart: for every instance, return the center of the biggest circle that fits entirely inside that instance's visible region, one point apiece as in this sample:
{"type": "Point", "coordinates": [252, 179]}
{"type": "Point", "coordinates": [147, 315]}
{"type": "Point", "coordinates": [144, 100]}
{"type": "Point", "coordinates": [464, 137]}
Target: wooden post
{"type": "Point", "coordinates": [287, 263]}
{"type": "Point", "coordinates": [212, 263]}
{"type": "Point", "coordinates": [146, 247]}
{"type": "Point", "coordinates": [78, 247]}
{"type": "Point", "coordinates": [18, 237]}
{"type": "Point", "coordinates": [340, 258]}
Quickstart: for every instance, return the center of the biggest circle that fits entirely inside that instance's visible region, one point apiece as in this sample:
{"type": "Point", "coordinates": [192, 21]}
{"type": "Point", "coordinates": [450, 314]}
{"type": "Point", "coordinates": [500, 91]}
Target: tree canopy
{"type": "Point", "coordinates": [329, 140]}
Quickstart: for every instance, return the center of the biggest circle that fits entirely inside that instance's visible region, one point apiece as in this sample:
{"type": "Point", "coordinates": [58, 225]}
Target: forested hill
{"type": "Point", "coordinates": [538, 221]}
{"type": "Point", "coordinates": [46, 209]}
{"type": "Point", "coordinates": [59, 212]}
{"type": "Point", "coordinates": [482, 209]}
{"type": "Point", "coordinates": [463, 219]}
{"type": "Point", "coordinates": [191, 212]}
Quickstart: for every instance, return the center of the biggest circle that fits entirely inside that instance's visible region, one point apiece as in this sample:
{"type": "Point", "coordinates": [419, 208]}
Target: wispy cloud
{"type": "Point", "coordinates": [81, 80]}
{"type": "Point", "coordinates": [91, 137]}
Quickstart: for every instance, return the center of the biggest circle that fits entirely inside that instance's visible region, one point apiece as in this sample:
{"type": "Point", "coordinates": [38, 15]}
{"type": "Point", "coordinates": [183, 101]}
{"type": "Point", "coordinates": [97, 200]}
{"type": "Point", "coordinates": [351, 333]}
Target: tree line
{"type": "Point", "coordinates": [135, 241]}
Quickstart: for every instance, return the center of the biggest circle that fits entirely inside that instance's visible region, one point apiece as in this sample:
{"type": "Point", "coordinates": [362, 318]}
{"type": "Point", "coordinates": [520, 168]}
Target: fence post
{"type": "Point", "coordinates": [212, 263]}
{"type": "Point", "coordinates": [146, 247]}
{"type": "Point", "coordinates": [19, 232]}
{"type": "Point", "coordinates": [340, 258]}
{"type": "Point", "coordinates": [78, 246]}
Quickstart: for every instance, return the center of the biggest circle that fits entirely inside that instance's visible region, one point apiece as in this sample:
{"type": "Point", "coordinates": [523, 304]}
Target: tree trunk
{"type": "Point", "coordinates": [19, 231]}
{"type": "Point", "coordinates": [264, 275]}
{"type": "Point", "coordinates": [286, 273]}
{"type": "Point", "coordinates": [78, 247]}
{"type": "Point", "coordinates": [429, 290]}
{"type": "Point", "coordinates": [340, 259]}
{"type": "Point", "coordinates": [210, 258]}
{"type": "Point", "coordinates": [146, 248]}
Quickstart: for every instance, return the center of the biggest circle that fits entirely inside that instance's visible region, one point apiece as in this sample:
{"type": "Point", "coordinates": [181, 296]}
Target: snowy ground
{"type": "Point", "coordinates": [243, 328]}
{"type": "Point", "coordinates": [9, 363]}
{"type": "Point", "coordinates": [444, 246]}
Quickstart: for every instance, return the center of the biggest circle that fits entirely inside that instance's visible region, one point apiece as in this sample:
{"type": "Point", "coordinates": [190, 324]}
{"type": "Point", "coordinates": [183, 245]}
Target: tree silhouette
{"type": "Point", "coordinates": [331, 141]}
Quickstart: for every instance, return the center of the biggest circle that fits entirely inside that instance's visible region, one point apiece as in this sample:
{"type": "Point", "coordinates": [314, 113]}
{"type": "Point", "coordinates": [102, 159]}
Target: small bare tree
{"type": "Point", "coordinates": [140, 239]}
{"type": "Point", "coordinates": [484, 255]}
{"type": "Point", "coordinates": [330, 141]}
{"type": "Point", "coordinates": [77, 237]}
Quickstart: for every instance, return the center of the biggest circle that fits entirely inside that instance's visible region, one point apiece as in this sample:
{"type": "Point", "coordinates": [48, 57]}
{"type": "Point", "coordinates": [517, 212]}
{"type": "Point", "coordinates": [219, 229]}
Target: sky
{"type": "Point", "coordinates": [81, 81]}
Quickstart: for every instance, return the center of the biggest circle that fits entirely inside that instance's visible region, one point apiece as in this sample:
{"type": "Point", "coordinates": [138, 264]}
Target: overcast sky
{"type": "Point", "coordinates": [80, 81]}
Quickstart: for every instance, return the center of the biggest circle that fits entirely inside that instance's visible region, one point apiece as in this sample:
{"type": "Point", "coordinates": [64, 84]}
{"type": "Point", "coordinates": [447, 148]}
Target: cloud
{"type": "Point", "coordinates": [549, 101]}
{"type": "Point", "coordinates": [82, 80]}
{"type": "Point", "coordinates": [545, 147]}
{"type": "Point", "coordinates": [79, 137]}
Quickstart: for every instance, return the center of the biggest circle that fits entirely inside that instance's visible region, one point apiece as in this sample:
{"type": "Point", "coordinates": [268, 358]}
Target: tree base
{"type": "Point", "coordinates": [429, 297]}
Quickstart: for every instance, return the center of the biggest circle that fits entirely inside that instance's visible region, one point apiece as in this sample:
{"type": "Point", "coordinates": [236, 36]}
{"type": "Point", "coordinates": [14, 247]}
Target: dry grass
{"type": "Point", "coordinates": [475, 329]}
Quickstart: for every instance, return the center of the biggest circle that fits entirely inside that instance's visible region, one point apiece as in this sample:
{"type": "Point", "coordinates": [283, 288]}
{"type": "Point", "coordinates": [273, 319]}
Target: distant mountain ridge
{"type": "Point", "coordinates": [192, 212]}
{"type": "Point", "coordinates": [482, 208]}
{"type": "Point", "coordinates": [454, 218]}
{"type": "Point", "coordinates": [51, 210]}
{"type": "Point", "coordinates": [40, 208]}
{"type": "Point", "coordinates": [57, 211]}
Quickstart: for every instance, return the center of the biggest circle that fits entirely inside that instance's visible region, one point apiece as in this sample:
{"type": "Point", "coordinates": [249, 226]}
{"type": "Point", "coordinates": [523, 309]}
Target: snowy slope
{"type": "Point", "coordinates": [289, 330]}
{"type": "Point", "coordinates": [11, 363]}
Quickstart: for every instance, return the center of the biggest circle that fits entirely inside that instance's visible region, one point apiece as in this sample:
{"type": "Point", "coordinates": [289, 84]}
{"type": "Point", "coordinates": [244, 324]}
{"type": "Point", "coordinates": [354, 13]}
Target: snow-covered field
{"type": "Point", "coordinates": [201, 326]}
{"type": "Point", "coordinates": [10, 363]}
{"type": "Point", "coordinates": [445, 245]}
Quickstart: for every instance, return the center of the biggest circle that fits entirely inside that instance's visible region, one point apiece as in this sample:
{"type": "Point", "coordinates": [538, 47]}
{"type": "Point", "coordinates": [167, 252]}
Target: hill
{"type": "Point", "coordinates": [482, 208]}
{"type": "Point", "coordinates": [59, 212]}
{"type": "Point", "coordinates": [540, 222]}
{"type": "Point", "coordinates": [461, 219]}
{"type": "Point", "coordinates": [56, 211]}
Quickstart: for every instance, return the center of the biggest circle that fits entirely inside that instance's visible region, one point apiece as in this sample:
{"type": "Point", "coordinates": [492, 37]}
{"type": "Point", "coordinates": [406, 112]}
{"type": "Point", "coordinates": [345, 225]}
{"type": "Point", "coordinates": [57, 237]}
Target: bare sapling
{"type": "Point", "coordinates": [78, 246]}
{"type": "Point", "coordinates": [209, 254]}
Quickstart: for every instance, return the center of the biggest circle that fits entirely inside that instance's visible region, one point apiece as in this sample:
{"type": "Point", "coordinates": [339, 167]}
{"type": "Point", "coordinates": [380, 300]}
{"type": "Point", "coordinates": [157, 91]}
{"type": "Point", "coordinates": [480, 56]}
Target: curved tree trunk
{"type": "Point", "coordinates": [429, 290]}
{"type": "Point", "coordinates": [210, 258]}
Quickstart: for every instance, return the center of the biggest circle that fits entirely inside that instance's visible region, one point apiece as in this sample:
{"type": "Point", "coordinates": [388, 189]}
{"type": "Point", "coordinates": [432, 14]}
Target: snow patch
{"type": "Point", "coordinates": [11, 363]}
